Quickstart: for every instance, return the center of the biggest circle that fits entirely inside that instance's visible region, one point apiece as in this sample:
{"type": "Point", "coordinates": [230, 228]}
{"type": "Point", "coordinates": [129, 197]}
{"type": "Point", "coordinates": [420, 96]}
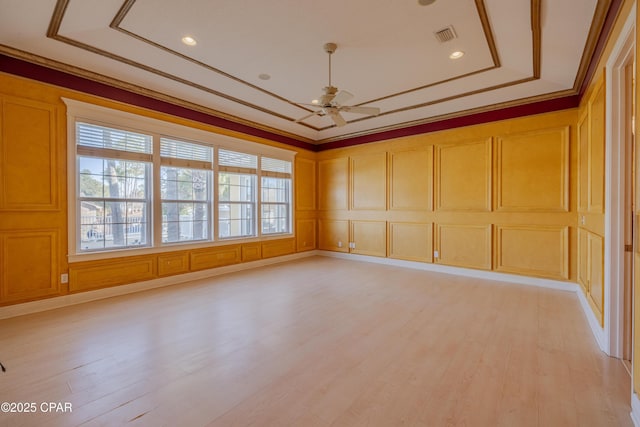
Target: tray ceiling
{"type": "Point", "coordinates": [255, 61]}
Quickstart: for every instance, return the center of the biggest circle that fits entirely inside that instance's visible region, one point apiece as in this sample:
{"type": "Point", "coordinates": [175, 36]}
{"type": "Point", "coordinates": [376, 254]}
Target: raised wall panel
{"type": "Point", "coordinates": [305, 234]}
{"type": "Point", "coordinates": [333, 235]}
{"type": "Point", "coordinates": [464, 245]}
{"type": "Point", "coordinates": [532, 171]}
{"type": "Point", "coordinates": [533, 250]}
{"type": "Point", "coordinates": [583, 259]}
{"type": "Point", "coordinates": [101, 274]}
{"type": "Point", "coordinates": [28, 156]}
{"type": "Point", "coordinates": [369, 181]}
{"type": "Point", "coordinates": [596, 273]}
{"type": "Point", "coordinates": [202, 259]}
{"type": "Point", "coordinates": [305, 181]}
{"type": "Point", "coordinates": [411, 180]}
{"type": "Point", "coordinates": [583, 162]}
{"type": "Point", "coordinates": [278, 248]}
{"type": "Point", "coordinates": [595, 202]}
{"type": "Point", "coordinates": [369, 237]}
{"type": "Point", "coordinates": [171, 264]}
{"type": "Point", "coordinates": [333, 184]}
{"type": "Point", "coordinates": [411, 241]}
{"type": "Point", "coordinates": [251, 251]}
{"type": "Point", "coordinates": [463, 176]}
{"type": "Point", "coordinates": [29, 264]}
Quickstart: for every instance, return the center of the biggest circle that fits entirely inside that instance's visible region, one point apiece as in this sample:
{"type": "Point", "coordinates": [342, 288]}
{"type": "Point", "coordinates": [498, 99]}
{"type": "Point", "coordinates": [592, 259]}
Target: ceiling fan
{"type": "Point", "coordinates": [331, 102]}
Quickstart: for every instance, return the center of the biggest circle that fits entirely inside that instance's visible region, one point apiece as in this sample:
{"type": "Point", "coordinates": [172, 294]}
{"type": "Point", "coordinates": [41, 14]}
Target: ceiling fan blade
{"type": "Point", "coordinates": [307, 116]}
{"type": "Point", "coordinates": [338, 119]}
{"type": "Point", "coordinates": [342, 97]}
{"type": "Point", "coordinates": [326, 99]}
{"type": "Point", "coordinates": [371, 111]}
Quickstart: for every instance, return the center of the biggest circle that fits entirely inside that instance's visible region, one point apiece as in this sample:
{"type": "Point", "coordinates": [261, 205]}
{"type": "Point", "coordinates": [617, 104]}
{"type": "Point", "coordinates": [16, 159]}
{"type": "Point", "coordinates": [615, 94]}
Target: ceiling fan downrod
{"type": "Point", "coordinates": [330, 48]}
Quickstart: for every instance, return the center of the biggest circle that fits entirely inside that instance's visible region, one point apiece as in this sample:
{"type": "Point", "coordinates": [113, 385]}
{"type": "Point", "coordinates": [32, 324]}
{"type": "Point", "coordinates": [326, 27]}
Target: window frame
{"type": "Point", "coordinates": [78, 111]}
{"type": "Point", "coordinates": [147, 201]}
{"type": "Point", "coordinates": [186, 164]}
{"type": "Point", "coordinates": [251, 203]}
{"type": "Point", "coordinates": [286, 175]}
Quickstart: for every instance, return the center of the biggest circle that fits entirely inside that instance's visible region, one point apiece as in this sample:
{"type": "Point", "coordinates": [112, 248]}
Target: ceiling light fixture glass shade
{"type": "Point", "coordinates": [425, 2]}
{"type": "Point", "coordinates": [189, 41]}
{"type": "Point", "coordinates": [457, 54]}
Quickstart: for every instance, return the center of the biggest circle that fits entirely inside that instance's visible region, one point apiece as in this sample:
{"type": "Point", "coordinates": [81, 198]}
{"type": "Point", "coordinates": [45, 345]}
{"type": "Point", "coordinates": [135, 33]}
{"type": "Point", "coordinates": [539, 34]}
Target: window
{"type": "Point", "coordinates": [185, 183]}
{"type": "Point", "coordinates": [236, 194]}
{"type": "Point", "coordinates": [275, 206]}
{"type": "Point", "coordinates": [147, 185]}
{"type": "Point", "coordinates": [113, 187]}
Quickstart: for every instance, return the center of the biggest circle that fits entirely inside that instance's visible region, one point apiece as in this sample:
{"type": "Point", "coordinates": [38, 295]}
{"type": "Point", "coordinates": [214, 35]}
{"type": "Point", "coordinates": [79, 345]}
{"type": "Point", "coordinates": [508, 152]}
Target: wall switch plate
{"type": "Point", "coordinates": [436, 254]}
{"type": "Point", "coordinates": [64, 278]}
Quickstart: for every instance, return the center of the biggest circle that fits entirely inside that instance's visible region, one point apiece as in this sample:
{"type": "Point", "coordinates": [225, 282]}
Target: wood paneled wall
{"type": "Point", "coordinates": [591, 161]}
{"type": "Point", "coordinates": [498, 196]}
{"type": "Point", "coordinates": [33, 204]}
{"type": "Point", "coordinates": [32, 197]}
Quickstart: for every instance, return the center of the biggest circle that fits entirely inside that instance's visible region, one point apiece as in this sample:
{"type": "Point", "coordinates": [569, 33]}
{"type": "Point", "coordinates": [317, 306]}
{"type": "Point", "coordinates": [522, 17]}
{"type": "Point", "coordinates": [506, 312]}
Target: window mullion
{"type": "Point", "coordinates": [156, 189]}
{"type": "Point", "coordinates": [215, 209]}
{"type": "Point", "coordinates": [258, 215]}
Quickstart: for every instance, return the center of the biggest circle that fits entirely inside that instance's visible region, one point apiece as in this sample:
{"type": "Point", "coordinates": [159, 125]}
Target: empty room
{"type": "Point", "coordinates": [303, 213]}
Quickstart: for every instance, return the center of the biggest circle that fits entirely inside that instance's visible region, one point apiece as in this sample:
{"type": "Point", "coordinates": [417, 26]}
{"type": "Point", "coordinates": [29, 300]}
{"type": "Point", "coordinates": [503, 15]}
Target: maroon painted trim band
{"type": "Point", "coordinates": [457, 122]}
{"type": "Point", "coordinates": [69, 81]}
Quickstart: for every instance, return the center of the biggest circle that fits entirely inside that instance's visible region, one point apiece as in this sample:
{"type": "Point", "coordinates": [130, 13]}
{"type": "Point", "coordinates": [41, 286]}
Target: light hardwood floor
{"type": "Point", "coordinates": [316, 342]}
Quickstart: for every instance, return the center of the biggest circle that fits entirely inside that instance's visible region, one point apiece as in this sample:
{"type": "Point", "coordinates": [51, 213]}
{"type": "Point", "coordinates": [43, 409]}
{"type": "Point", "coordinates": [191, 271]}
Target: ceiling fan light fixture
{"type": "Point", "coordinates": [456, 55]}
{"type": "Point", "coordinates": [332, 101]}
{"type": "Point", "coordinates": [189, 41]}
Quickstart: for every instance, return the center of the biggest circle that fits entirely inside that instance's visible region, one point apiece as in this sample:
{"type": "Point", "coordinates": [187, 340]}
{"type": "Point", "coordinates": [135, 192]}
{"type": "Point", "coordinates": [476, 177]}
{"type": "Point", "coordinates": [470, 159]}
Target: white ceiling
{"type": "Point", "coordinates": [387, 54]}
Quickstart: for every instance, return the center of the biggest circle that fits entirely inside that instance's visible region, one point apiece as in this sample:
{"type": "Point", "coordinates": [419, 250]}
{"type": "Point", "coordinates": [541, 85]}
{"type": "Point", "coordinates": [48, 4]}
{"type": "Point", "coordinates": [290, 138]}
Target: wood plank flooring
{"type": "Point", "coordinates": [316, 342]}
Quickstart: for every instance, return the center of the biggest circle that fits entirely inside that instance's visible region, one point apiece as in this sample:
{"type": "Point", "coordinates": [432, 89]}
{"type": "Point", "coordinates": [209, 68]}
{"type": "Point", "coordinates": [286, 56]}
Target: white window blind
{"type": "Point", "coordinates": [233, 160]}
{"type": "Point", "coordinates": [275, 165]}
{"type": "Point", "coordinates": [95, 136]}
{"type": "Point", "coordinates": [172, 148]}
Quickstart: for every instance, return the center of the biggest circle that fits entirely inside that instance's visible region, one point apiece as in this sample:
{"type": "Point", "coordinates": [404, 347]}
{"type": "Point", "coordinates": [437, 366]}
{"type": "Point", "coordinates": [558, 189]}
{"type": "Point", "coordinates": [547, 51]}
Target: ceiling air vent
{"type": "Point", "coordinates": [446, 34]}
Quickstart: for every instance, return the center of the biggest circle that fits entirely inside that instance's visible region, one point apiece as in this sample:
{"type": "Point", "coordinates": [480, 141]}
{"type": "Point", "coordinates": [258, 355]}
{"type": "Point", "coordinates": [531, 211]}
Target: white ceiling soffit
{"type": "Point", "coordinates": [388, 54]}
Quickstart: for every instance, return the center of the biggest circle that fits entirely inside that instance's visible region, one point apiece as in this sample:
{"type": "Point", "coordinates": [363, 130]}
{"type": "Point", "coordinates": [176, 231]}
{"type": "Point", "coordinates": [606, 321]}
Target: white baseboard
{"type": "Point", "coordinates": [635, 409]}
{"type": "Point", "coordinates": [457, 271]}
{"type": "Point", "coordinates": [596, 329]}
{"type": "Point", "coordinates": [73, 299]}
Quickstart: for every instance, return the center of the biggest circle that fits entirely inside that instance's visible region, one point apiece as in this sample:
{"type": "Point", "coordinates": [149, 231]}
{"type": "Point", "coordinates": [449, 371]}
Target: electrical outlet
{"type": "Point", "coordinates": [436, 254]}
{"type": "Point", "coordinates": [64, 278]}
{"type": "Point", "coordinates": [352, 245]}
{"type": "Point", "coordinates": [339, 244]}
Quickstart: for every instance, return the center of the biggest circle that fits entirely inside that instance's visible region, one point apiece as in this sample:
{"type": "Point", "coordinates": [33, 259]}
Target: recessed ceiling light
{"type": "Point", "coordinates": [315, 101]}
{"type": "Point", "coordinates": [425, 2]}
{"type": "Point", "coordinates": [189, 41]}
{"type": "Point", "coordinates": [264, 76]}
{"type": "Point", "coordinates": [457, 54]}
